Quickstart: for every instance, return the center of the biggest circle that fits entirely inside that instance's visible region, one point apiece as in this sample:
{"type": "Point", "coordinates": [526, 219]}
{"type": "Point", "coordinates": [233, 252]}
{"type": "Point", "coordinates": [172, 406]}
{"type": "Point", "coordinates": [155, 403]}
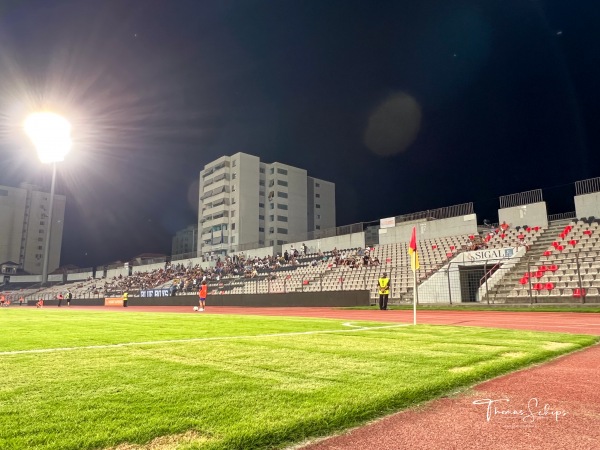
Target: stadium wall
{"type": "Point", "coordinates": [444, 285]}
{"type": "Point", "coordinates": [80, 276]}
{"type": "Point", "coordinates": [292, 299]}
{"type": "Point", "coordinates": [429, 229]}
{"type": "Point", "coordinates": [534, 214]}
{"type": "Point", "coordinates": [587, 205]}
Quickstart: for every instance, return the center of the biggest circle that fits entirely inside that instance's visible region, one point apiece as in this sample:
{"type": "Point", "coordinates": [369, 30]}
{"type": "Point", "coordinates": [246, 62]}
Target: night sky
{"type": "Point", "coordinates": [405, 105]}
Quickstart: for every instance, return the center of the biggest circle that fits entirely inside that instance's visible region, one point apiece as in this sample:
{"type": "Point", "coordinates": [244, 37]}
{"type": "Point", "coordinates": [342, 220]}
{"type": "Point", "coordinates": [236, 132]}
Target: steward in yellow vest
{"type": "Point", "coordinates": [384, 291]}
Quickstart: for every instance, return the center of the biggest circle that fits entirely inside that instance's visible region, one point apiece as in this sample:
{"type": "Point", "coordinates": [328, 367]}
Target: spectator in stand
{"type": "Point", "coordinates": [504, 227]}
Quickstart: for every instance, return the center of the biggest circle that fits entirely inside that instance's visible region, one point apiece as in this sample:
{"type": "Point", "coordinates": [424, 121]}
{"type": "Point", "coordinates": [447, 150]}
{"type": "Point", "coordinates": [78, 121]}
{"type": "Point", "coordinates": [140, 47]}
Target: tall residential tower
{"type": "Point", "coordinates": [246, 203]}
{"type": "Point", "coordinates": [23, 224]}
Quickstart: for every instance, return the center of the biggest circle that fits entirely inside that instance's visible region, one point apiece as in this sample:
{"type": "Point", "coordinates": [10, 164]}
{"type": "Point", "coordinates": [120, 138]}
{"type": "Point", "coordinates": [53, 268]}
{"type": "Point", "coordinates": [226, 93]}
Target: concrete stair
{"type": "Point", "coordinates": [529, 262]}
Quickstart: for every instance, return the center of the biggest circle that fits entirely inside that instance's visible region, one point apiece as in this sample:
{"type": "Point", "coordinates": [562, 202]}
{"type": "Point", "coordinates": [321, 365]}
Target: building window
{"type": "Point", "coordinates": [233, 188]}
{"type": "Point", "coordinates": [271, 194]}
{"type": "Point", "coordinates": [233, 176]}
{"type": "Point", "coordinates": [39, 247]}
{"type": "Point", "coordinates": [282, 206]}
{"type": "Point", "coordinates": [271, 205]}
{"type": "Point", "coordinates": [271, 231]}
{"type": "Point", "coordinates": [42, 222]}
{"type": "Point", "coordinates": [281, 242]}
{"type": "Point", "coordinates": [41, 231]}
{"type": "Point", "coordinates": [40, 239]}
{"type": "Point", "coordinates": [282, 194]}
{"type": "Point", "coordinates": [261, 229]}
{"type": "Point", "coordinates": [232, 213]}
{"type": "Point", "coordinates": [233, 200]}
{"type": "Point", "coordinates": [318, 216]}
{"type": "Point", "coordinates": [282, 183]}
{"type": "Point", "coordinates": [318, 206]}
{"type": "Point", "coordinates": [318, 195]}
{"type": "Point", "coordinates": [318, 227]}
{"type": "Point", "coordinates": [261, 205]}
{"type": "Point", "coordinates": [261, 170]}
{"type": "Point", "coordinates": [271, 183]}
{"type": "Point", "coordinates": [233, 239]}
{"type": "Point", "coordinates": [282, 171]}
{"type": "Point", "coordinates": [271, 170]}
{"type": "Point", "coordinates": [233, 226]}
{"type": "Point", "coordinates": [261, 217]}
{"type": "Point", "coordinates": [261, 182]}
{"type": "Point", "coordinates": [234, 163]}
{"type": "Point", "coordinates": [282, 230]}
{"type": "Point", "coordinates": [317, 185]}
{"type": "Point", "coordinates": [282, 218]}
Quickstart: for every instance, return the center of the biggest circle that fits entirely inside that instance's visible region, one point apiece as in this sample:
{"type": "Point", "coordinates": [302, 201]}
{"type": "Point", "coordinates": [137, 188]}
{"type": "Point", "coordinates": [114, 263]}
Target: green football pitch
{"type": "Point", "coordinates": [116, 380]}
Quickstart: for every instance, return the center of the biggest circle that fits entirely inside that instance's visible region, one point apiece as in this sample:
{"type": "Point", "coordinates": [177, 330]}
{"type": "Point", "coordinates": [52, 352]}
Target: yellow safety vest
{"type": "Point", "coordinates": [125, 295]}
{"type": "Point", "coordinates": [384, 285]}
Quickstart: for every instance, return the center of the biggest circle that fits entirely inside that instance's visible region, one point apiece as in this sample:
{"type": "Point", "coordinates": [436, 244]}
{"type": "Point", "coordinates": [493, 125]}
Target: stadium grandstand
{"type": "Point", "coordinates": [528, 257]}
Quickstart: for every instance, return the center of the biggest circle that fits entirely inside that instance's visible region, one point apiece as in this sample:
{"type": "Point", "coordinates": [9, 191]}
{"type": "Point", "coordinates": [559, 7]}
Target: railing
{"type": "Point", "coordinates": [562, 216]}
{"type": "Point", "coordinates": [587, 186]}
{"type": "Point", "coordinates": [446, 212]}
{"type": "Point", "coordinates": [522, 198]}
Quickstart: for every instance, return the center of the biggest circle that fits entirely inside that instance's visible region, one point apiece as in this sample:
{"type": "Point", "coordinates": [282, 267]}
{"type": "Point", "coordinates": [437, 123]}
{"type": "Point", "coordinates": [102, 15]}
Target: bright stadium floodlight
{"type": "Point", "coordinates": [51, 136]}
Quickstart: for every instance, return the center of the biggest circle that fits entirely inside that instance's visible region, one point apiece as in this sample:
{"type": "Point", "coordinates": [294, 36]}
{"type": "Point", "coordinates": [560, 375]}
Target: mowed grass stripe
{"type": "Point", "coordinates": [247, 394]}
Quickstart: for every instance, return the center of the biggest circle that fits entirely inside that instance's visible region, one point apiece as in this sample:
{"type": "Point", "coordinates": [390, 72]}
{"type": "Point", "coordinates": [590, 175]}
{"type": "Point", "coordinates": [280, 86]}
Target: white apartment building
{"type": "Point", "coordinates": [245, 203]}
{"type": "Point", "coordinates": [185, 242]}
{"type": "Point", "coordinates": [23, 225]}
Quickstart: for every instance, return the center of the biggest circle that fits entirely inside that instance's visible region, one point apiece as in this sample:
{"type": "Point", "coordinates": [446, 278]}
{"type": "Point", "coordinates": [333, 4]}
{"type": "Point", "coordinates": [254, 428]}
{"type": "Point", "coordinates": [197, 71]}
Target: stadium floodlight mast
{"type": "Point", "coordinates": [51, 137]}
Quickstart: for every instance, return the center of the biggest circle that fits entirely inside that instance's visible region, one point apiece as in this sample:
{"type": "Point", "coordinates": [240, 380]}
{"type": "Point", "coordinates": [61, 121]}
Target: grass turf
{"type": "Point", "coordinates": [246, 392]}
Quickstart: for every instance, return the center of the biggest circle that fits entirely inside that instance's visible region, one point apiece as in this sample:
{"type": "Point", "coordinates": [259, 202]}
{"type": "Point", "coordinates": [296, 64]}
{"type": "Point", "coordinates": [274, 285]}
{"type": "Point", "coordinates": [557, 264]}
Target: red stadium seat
{"type": "Point", "coordinates": [305, 282]}
{"type": "Point", "coordinates": [549, 286]}
{"type": "Point", "coordinates": [503, 235]}
{"type": "Point", "coordinates": [536, 228]}
{"type": "Point", "coordinates": [543, 268]}
{"type": "Point", "coordinates": [538, 286]}
{"type": "Point", "coordinates": [547, 253]}
{"type": "Point", "coordinates": [553, 268]}
{"type": "Point", "coordinates": [471, 237]}
{"type": "Point", "coordinates": [452, 247]}
{"type": "Point", "coordinates": [433, 247]}
{"type": "Point", "coordinates": [579, 292]}
{"type": "Point", "coordinates": [524, 280]}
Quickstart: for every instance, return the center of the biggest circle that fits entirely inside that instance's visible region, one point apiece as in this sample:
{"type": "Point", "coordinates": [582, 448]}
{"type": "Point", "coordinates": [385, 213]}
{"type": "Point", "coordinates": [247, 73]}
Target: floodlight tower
{"type": "Point", "coordinates": [51, 136]}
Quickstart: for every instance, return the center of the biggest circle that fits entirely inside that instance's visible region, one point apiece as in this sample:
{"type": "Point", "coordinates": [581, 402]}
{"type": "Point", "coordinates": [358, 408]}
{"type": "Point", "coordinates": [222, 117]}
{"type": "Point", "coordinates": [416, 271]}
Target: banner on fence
{"type": "Point", "coordinates": [161, 292]}
{"type": "Point", "coordinates": [495, 254]}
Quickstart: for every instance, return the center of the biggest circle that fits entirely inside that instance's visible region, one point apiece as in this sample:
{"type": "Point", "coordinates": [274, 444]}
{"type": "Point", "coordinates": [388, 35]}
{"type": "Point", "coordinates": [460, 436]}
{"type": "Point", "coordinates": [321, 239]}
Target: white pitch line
{"type": "Point", "coordinates": [177, 341]}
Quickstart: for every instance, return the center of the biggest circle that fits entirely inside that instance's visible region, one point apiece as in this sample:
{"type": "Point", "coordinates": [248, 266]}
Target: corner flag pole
{"type": "Point", "coordinates": [414, 264]}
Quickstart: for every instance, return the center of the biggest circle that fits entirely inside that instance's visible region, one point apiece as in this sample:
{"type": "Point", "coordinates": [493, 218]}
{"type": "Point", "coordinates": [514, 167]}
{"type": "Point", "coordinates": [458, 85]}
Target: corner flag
{"type": "Point", "coordinates": [412, 251]}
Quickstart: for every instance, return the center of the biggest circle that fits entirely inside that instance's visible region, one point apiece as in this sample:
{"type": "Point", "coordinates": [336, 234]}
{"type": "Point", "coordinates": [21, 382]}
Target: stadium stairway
{"type": "Point", "coordinates": [510, 281]}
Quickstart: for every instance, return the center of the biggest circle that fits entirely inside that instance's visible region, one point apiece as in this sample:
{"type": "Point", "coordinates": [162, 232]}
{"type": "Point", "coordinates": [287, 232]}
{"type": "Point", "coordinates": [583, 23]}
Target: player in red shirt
{"type": "Point", "coordinates": [202, 294]}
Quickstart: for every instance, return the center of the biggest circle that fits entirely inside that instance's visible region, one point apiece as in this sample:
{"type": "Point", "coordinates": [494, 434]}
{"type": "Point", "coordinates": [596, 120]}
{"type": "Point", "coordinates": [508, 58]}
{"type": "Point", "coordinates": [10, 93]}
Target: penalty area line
{"type": "Point", "coordinates": [354, 328]}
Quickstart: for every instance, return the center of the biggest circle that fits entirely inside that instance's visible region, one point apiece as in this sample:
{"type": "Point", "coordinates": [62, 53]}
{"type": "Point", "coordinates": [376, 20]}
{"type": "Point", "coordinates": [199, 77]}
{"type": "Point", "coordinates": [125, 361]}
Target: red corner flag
{"type": "Point", "coordinates": [412, 251]}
